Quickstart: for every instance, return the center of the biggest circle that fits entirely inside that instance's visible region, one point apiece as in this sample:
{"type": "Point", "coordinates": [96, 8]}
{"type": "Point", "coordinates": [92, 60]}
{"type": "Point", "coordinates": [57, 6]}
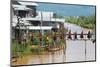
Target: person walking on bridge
{"type": "Point", "coordinates": [81, 35]}
{"type": "Point", "coordinates": [75, 35]}
{"type": "Point", "coordinates": [89, 35]}
{"type": "Point", "coordinates": [69, 34]}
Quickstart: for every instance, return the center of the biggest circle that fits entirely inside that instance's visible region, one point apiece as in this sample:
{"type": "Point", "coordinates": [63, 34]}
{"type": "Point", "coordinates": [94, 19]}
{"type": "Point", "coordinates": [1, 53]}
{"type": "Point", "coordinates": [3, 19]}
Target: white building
{"type": "Point", "coordinates": [41, 20]}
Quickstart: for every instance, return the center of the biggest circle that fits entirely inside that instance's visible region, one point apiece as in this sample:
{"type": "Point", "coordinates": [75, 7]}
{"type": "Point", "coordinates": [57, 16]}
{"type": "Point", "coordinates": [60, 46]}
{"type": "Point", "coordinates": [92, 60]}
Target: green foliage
{"type": "Point", "coordinates": [30, 47]}
{"type": "Point", "coordinates": [35, 42]}
{"type": "Point", "coordinates": [17, 49]}
{"type": "Point", "coordinates": [84, 21]}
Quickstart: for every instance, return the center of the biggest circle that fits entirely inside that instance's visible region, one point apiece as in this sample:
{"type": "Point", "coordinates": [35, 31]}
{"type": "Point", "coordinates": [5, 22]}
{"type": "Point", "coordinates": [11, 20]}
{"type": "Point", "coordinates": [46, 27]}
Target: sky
{"type": "Point", "coordinates": [67, 9]}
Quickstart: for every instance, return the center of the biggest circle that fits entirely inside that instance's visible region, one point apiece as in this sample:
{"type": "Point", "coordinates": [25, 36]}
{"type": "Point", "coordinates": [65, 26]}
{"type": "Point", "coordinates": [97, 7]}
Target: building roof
{"type": "Point", "coordinates": [17, 6]}
{"type": "Point", "coordinates": [28, 3]}
{"type": "Point", "coordinates": [20, 7]}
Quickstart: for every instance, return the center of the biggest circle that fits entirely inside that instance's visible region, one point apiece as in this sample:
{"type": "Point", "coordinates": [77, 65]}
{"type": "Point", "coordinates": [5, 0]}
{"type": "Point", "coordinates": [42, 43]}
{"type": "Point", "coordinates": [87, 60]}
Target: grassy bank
{"type": "Point", "coordinates": [33, 47]}
{"type": "Point", "coordinates": [21, 50]}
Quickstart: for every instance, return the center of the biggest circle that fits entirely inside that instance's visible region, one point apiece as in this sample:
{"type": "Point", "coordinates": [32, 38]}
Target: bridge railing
{"type": "Point", "coordinates": [84, 36]}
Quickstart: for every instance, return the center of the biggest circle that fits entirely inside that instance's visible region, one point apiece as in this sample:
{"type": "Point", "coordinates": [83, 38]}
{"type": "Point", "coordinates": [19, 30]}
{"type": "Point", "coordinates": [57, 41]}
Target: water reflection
{"type": "Point", "coordinates": [46, 57]}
